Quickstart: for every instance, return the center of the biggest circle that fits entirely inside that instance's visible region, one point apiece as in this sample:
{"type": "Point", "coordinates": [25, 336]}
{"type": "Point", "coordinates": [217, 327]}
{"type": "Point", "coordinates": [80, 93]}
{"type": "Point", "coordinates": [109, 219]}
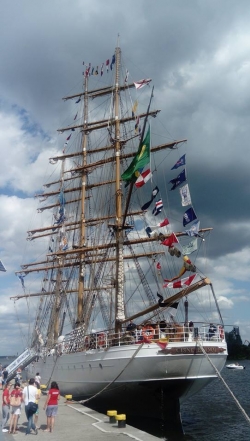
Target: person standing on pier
{"type": "Point", "coordinates": [15, 401]}
{"type": "Point", "coordinates": [5, 376]}
{"type": "Point", "coordinates": [30, 395]}
{"type": "Point", "coordinates": [39, 396]}
{"type": "Point", "coordinates": [38, 378]}
{"type": "Point", "coordinates": [51, 406]}
{"type": "Point", "coordinates": [6, 406]}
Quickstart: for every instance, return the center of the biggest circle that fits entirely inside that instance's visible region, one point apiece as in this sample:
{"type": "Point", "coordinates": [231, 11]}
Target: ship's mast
{"type": "Point", "coordinates": [83, 254]}
{"type": "Point", "coordinates": [119, 286]}
{"type": "Point", "coordinates": [79, 319]}
{"type": "Point", "coordinates": [53, 332]}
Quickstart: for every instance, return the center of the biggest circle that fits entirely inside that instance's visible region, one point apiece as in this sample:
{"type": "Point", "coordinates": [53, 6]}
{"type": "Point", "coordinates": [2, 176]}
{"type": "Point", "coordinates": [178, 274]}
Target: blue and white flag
{"type": "Point", "coordinates": [158, 207]}
{"type": "Point", "coordinates": [61, 198]}
{"type": "Point", "coordinates": [194, 230]}
{"type": "Point", "coordinates": [189, 216]}
{"type": "Point", "coordinates": [148, 231]}
{"type": "Point", "coordinates": [190, 247]}
{"type": "Point", "coordinates": [147, 204]}
{"type": "Point", "coordinates": [21, 278]}
{"type": "Point", "coordinates": [180, 162]}
{"type": "Point", "coordinates": [185, 196]}
{"type": "Point", "coordinates": [179, 180]}
{"type": "Point", "coordinates": [112, 62]}
{"type": "Point", "coordinates": [2, 267]}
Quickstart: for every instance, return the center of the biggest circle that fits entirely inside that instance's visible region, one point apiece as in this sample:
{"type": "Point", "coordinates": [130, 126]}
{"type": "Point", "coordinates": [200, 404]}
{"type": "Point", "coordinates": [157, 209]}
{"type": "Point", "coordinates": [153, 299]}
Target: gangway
{"type": "Point", "coordinates": [22, 361]}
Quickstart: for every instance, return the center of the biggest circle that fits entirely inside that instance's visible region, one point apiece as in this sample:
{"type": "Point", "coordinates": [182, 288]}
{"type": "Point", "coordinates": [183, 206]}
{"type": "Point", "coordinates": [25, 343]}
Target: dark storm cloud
{"type": "Point", "coordinates": [44, 46]}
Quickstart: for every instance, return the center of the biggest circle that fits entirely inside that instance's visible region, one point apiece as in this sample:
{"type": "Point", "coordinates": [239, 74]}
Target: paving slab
{"type": "Point", "coordinates": [75, 422]}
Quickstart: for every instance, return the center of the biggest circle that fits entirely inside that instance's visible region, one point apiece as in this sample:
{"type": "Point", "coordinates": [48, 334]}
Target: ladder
{"type": "Point", "coordinates": [22, 360]}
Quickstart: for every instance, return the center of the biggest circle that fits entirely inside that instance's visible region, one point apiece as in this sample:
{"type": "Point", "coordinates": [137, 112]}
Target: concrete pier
{"type": "Point", "coordinates": [75, 422]}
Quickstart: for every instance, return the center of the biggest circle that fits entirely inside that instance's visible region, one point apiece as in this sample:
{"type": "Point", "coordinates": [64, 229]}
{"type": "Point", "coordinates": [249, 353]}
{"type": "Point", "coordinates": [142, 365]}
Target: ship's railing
{"type": "Point", "coordinates": [78, 342]}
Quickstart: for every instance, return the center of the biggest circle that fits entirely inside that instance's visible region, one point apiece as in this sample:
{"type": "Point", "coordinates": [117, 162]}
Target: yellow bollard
{"type": "Point", "coordinates": [121, 420]}
{"type": "Point", "coordinates": [112, 414]}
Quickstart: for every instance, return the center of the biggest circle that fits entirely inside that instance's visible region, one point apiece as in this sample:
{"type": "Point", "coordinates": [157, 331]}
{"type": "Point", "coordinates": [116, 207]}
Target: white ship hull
{"type": "Point", "coordinates": [150, 373]}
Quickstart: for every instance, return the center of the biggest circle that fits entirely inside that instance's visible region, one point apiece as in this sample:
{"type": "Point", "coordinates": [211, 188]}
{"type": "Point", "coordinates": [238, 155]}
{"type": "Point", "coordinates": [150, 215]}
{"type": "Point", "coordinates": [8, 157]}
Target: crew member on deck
{"type": "Point", "coordinates": [211, 331]}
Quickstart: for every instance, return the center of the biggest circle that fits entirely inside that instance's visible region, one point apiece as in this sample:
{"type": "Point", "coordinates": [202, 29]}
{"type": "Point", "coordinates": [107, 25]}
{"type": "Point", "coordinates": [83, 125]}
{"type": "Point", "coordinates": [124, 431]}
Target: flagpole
{"type": "Point", "coordinates": [142, 137]}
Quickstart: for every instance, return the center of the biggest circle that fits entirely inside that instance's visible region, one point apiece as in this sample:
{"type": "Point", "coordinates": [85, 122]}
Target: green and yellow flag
{"type": "Point", "coordinates": [141, 159]}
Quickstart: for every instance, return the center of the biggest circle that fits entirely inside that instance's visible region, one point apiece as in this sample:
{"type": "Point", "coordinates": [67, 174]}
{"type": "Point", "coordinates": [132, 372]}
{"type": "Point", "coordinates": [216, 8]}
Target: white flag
{"type": "Point", "coordinates": [190, 247]}
{"type": "Point", "coordinates": [142, 83]}
{"type": "Point", "coordinates": [185, 196]}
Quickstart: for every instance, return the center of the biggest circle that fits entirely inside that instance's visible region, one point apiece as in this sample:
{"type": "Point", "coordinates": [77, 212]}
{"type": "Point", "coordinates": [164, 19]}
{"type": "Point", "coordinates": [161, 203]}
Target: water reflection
{"type": "Point", "coordinates": [211, 415]}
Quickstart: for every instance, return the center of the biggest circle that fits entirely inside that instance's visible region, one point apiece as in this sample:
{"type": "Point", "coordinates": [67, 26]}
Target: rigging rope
{"type": "Point", "coordinates": [24, 338]}
{"type": "Point", "coordinates": [225, 384]}
{"type": "Point", "coordinates": [57, 356]}
{"type": "Point", "coordinates": [98, 393]}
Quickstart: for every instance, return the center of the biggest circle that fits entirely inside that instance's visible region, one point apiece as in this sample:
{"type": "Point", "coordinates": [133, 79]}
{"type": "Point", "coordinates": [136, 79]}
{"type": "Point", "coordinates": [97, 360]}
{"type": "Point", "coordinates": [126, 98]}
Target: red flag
{"type": "Point", "coordinates": [158, 266]}
{"type": "Point", "coordinates": [180, 283]}
{"type": "Point", "coordinates": [164, 223]}
{"type": "Point", "coordinates": [67, 139]}
{"type": "Point", "coordinates": [170, 240]}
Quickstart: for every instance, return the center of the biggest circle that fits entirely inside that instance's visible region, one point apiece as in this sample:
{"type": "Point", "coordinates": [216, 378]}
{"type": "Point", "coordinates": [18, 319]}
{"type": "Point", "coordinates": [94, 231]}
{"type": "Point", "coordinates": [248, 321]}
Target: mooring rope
{"type": "Point", "coordinates": [225, 384]}
{"type": "Point", "coordinates": [98, 393]}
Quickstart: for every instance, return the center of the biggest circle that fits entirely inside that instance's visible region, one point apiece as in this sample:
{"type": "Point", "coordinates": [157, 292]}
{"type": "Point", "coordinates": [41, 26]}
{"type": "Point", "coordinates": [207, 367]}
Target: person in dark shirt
{"type": "Point", "coordinates": [211, 331]}
{"type": "Point", "coordinates": [131, 327]}
{"type": "Point", "coordinates": [5, 376]}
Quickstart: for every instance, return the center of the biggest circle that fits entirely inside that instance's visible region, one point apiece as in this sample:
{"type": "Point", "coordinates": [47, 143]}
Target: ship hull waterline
{"type": "Point", "coordinates": [152, 376]}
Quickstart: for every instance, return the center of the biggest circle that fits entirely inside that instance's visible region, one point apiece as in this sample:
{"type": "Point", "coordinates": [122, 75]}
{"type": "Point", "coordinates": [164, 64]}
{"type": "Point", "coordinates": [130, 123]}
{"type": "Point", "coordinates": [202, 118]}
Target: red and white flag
{"type": "Point", "coordinates": [141, 83]}
{"type": "Point", "coordinates": [170, 240]}
{"type": "Point", "coordinates": [181, 283]}
{"type": "Point", "coordinates": [143, 178]}
{"type": "Point", "coordinates": [164, 223]}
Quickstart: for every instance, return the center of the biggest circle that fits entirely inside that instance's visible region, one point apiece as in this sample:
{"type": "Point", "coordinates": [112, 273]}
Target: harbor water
{"type": "Point", "coordinates": [5, 360]}
{"type": "Point", "coordinates": [213, 414]}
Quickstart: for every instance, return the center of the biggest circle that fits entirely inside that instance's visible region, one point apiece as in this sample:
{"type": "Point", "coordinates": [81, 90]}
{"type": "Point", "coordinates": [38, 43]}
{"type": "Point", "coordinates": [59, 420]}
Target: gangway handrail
{"type": "Point", "coordinates": [22, 360]}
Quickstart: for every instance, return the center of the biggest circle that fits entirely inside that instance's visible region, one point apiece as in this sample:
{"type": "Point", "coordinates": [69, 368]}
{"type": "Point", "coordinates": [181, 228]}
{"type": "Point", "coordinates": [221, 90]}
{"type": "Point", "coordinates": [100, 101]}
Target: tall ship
{"type": "Point", "coordinates": [126, 316]}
